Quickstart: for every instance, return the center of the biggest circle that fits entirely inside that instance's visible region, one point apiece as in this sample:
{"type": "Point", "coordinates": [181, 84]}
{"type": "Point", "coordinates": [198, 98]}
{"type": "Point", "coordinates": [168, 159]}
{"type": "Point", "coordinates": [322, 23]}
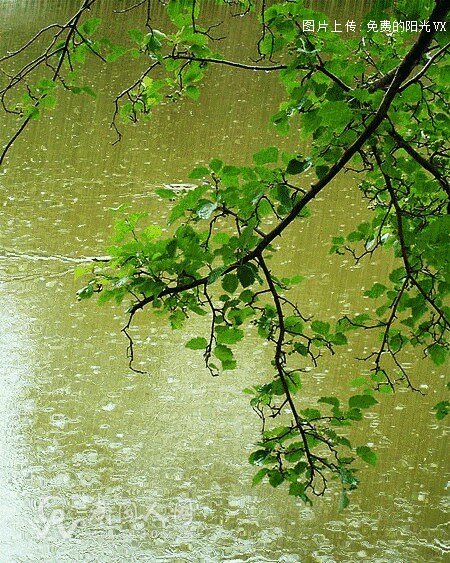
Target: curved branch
{"type": "Point", "coordinates": [279, 365]}
{"type": "Point", "coordinates": [424, 69]}
{"type": "Point", "coordinates": [426, 164]}
{"type": "Point", "coordinates": [31, 41]}
{"type": "Point", "coordinates": [403, 71]}
{"type": "Point", "coordinates": [130, 8]}
{"type": "Point", "coordinates": [403, 247]}
{"type": "Point", "coordinates": [71, 25]}
{"type": "Point", "coordinates": [226, 62]}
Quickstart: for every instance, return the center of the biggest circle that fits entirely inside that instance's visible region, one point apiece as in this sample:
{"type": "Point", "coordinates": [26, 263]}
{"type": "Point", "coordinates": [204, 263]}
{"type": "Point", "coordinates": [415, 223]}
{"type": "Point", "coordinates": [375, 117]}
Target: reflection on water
{"type": "Point", "coordinates": [102, 464]}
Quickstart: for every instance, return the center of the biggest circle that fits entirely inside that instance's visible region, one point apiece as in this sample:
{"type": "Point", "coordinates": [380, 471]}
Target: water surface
{"type": "Point", "coordinates": [103, 464]}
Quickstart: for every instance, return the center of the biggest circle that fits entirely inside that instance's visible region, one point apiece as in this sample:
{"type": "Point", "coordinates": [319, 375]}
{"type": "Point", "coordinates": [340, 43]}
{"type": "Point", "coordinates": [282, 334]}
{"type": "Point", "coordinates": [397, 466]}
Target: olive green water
{"type": "Point", "coordinates": [102, 464]}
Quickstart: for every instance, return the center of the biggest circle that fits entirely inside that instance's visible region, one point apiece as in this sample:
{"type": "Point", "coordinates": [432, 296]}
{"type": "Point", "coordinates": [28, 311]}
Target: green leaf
{"type": "Point", "coordinates": [294, 456]}
{"type": "Point", "coordinates": [90, 26]}
{"type": "Point", "coordinates": [216, 273]}
{"type": "Point", "coordinates": [245, 275]}
{"type": "Point", "coordinates": [348, 478]}
{"type": "Point", "coordinates": [359, 382]}
{"type": "Point", "coordinates": [177, 320]}
{"type": "Point", "coordinates": [266, 156]}
{"type": "Point", "coordinates": [360, 320]}
{"type": "Point", "coordinates": [412, 94]}
{"type": "Point", "coordinates": [297, 489]}
{"type": "Point", "coordinates": [136, 35]}
{"type": "Point", "coordinates": [115, 53]}
{"type": "Point", "coordinates": [375, 291]}
{"type": "Point", "coordinates": [165, 193]}
{"type": "Point", "coordinates": [339, 339]}
{"type": "Point", "coordinates": [301, 349]}
{"type": "Point", "coordinates": [246, 296]}
{"type": "Point", "coordinates": [32, 112]}
{"type": "Point", "coordinates": [194, 93]}
{"type": "Point", "coordinates": [329, 400]}
{"type": "Point", "coordinates": [85, 292]}
{"type": "Point", "coordinates": [321, 327]}
{"type": "Point", "coordinates": [354, 414]}
{"type": "Point", "coordinates": [189, 201]}
{"type": "Point", "coordinates": [344, 501]}
{"type": "Point", "coordinates": [355, 236]}
{"type": "Point", "coordinates": [275, 477]}
{"type": "Point", "coordinates": [367, 455]}
{"type": "Point", "coordinates": [258, 457]}
{"type": "Point", "coordinates": [206, 209]}
{"type": "Point", "coordinates": [284, 197]}
{"type": "Point", "coordinates": [228, 335]}
{"type": "Point", "coordinates": [199, 172]}
{"type": "Point", "coordinates": [45, 85]}
{"type": "Point", "coordinates": [295, 166]}
{"type": "Point", "coordinates": [378, 376]}
{"type": "Point", "coordinates": [438, 354]}
{"type": "Point", "coordinates": [294, 382]}
{"type": "Point", "coordinates": [309, 414]}
{"type": "Point", "coordinates": [89, 91]}
{"type": "Point", "coordinates": [230, 283]}
{"type": "Point", "coordinates": [198, 343]}
{"type": "Point", "coordinates": [215, 165]}
{"type": "Point", "coordinates": [397, 275]}
{"type": "Point", "coordinates": [361, 401]}
{"type": "Point", "coordinates": [277, 387]}
{"type": "Point", "coordinates": [48, 101]}
{"type": "Point", "coordinates": [442, 409]}
{"type": "Point", "coordinates": [321, 171]}
{"type": "Point", "coordinates": [259, 476]}
{"type": "Point", "coordinates": [225, 355]}
{"type": "Point", "coordinates": [293, 324]}
{"type": "Point", "coordinates": [152, 232]}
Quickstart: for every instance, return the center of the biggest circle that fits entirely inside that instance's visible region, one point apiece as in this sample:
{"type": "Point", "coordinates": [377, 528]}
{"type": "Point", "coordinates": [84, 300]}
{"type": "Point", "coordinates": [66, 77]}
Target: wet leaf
{"type": "Point", "coordinates": [198, 343]}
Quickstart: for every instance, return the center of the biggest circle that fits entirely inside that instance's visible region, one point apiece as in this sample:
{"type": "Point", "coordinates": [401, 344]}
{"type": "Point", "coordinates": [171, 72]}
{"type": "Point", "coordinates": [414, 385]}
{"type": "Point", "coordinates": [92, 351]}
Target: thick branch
{"type": "Point", "coordinates": [403, 71]}
{"type": "Point", "coordinates": [438, 14]}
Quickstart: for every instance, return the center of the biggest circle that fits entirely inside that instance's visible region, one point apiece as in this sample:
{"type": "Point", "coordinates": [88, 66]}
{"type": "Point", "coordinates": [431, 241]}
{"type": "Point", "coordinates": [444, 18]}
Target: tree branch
{"type": "Point", "coordinates": [402, 72]}
{"type": "Point", "coordinates": [71, 26]}
{"type": "Point", "coordinates": [426, 164]}
{"type": "Point", "coordinates": [424, 69]}
{"type": "Point", "coordinates": [225, 62]}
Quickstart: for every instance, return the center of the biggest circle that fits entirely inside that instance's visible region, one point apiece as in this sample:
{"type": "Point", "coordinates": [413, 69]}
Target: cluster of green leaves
{"type": "Point", "coordinates": [172, 273]}
{"type": "Point", "coordinates": [211, 261]}
{"type": "Point", "coordinates": [146, 265]}
{"type": "Point", "coordinates": [223, 233]}
{"type": "Point", "coordinates": [298, 459]}
{"type": "Point", "coordinates": [183, 53]}
{"type": "Point", "coordinates": [59, 65]}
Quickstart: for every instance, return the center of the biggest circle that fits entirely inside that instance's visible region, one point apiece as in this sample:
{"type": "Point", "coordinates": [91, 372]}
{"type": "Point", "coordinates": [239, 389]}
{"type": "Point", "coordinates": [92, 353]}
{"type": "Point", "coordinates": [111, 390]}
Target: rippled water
{"type": "Point", "coordinates": [102, 464]}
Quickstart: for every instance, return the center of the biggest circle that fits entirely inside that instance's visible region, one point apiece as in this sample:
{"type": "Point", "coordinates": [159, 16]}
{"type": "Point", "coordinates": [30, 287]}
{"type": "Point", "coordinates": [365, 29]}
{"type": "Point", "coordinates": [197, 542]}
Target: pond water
{"type": "Point", "coordinates": [99, 463]}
